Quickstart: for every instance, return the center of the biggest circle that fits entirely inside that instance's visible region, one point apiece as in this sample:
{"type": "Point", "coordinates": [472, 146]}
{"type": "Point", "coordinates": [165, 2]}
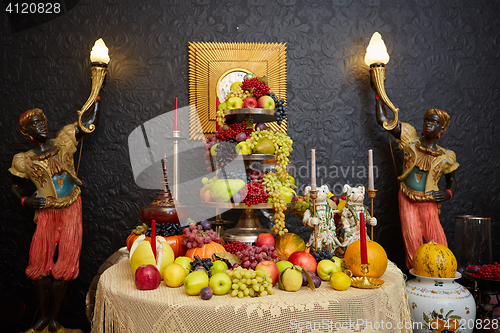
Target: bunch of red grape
{"type": "Point", "coordinates": [491, 271]}
{"type": "Point", "coordinates": [235, 246]}
{"type": "Point", "coordinates": [207, 144]}
{"type": "Point", "coordinates": [256, 86]}
{"type": "Point", "coordinates": [196, 236]}
{"type": "Point", "coordinates": [253, 254]}
{"type": "Point", "coordinates": [233, 131]}
{"type": "Point", "coordinates": [255, 194]}
{"type": "Point", "coordinates": [256, 176]}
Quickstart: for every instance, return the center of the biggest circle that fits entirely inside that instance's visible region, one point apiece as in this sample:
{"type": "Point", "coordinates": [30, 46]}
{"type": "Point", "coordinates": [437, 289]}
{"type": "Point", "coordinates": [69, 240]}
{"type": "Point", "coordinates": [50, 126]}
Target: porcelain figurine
{"type": "Point", "coordinates": [324, 222]}
{"type": "Point", "coordinates": [350, 214]}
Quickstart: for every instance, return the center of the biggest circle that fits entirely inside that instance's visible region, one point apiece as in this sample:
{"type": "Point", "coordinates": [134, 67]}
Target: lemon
{"type": "Point", "coordinates": [236, 84]}
{"type": "Point", "coordinates": [174, 275]}
{"type": "Point", "coordinates": [340, 281]}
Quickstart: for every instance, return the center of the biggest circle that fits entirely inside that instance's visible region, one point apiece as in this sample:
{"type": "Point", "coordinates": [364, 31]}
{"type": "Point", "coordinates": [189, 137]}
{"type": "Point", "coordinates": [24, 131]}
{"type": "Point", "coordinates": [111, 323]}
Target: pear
{"type": "Point", "coordinates": [290, 279]}
{"type": "Point", "coordinates": [265, 146]}
{"type": "Point", "coordinates": [224, 189]}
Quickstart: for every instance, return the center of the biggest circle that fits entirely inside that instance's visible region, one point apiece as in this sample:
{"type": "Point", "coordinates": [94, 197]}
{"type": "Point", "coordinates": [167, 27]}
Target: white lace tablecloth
{"type": "Point", "coordinates": [121, 307]}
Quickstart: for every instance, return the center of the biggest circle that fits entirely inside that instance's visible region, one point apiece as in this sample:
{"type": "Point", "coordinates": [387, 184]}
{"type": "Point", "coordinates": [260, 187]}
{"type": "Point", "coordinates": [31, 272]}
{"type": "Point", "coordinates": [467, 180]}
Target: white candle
{"type": "Point", "coordinates": [370, 170]}
{"type": "Point", "coordinates": [313, 169]}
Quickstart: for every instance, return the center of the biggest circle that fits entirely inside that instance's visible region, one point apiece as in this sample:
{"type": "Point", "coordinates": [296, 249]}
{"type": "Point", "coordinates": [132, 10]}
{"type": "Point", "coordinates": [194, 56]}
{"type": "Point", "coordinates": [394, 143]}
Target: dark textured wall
{"type": "Point", "coordinates": [444, 54]}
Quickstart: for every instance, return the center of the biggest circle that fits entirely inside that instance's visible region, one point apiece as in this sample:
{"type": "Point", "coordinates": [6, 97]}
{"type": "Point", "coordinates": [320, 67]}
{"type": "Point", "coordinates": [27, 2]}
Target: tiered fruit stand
{"type": "Point", "coordinates": [248, 227]}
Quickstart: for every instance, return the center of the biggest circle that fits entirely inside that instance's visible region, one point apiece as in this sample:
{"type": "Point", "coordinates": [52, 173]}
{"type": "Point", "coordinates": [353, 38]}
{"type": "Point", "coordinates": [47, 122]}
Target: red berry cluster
{"type": "Point", "coordinates": [233, 130]}
{"type": "Point", "coordinates": [256, 87]}
{"type": "Point", "coordinates": [256, 194]}
{"type": "Point", "coordinates": [235, 246]}
{"type": "Point", "coordinates": [491, 271]}
{"type": "Point", "coordinates": [252, 255]}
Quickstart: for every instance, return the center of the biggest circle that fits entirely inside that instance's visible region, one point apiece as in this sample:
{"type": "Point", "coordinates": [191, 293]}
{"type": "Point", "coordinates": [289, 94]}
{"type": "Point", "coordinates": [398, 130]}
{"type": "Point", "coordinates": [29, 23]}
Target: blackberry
{"type": "Point", "coordinates": [323, 254]}
{"type": "Point", "coordinates": [166, 229]}
{"type": "Point", "coordinates": [206, 263]}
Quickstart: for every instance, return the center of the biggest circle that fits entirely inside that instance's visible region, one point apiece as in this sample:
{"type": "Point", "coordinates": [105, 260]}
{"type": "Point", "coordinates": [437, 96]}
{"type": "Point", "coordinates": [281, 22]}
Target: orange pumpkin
{"type": "Point", "coordinates": [287, 244]}
{"type": "Point", "coordinates": [434, 260]}
{"type": "Point", "coordinates": [377, 258]}
{"type": "Point", "coordinates": [206, 251]}
{"type": "Point", "coordinates": [175, 243]}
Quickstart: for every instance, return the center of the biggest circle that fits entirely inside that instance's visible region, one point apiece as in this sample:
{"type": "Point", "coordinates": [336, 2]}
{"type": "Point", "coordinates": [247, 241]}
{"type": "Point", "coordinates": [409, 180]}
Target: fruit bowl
{"type": "Point", "coordinates": [482, 283]}
{"type": "Point", "coordinates": [259, 115]}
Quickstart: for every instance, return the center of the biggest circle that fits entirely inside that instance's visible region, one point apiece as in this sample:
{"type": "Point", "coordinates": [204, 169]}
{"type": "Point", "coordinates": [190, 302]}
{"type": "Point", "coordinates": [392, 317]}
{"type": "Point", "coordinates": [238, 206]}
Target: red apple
{"type": "Point", "coordinates": [208, 197]}
{"type": "Point", "coordinates": [250, 102]}
{"type": "Point", "coordinates": [147, 277]}
{"type": "Point", "coordinates": [265, 239]}
{"type": "Point", "coordinates": [304, 260]}
{"type": "Point", "coordinates": [266, 102]}
{"type": "Point", "coordinates": [271, 268]}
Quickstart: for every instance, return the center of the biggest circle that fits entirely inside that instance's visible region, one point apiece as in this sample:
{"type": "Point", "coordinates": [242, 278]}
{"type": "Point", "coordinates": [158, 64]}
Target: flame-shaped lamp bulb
{"type": "Point", "coordinates": [376, 52]}
{"type": "Point", "coordinates": [99, 52]}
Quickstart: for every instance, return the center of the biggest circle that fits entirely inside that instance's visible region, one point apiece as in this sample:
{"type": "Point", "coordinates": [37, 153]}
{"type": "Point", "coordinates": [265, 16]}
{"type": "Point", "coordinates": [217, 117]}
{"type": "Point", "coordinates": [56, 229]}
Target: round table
{"type": "Point", "coordinates": [121, 307]}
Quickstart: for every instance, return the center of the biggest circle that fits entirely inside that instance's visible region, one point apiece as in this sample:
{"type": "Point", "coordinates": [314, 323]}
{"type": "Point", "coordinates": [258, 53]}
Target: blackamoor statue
{"type": "Point", "coordinates": [424, 163]}
{"type": "Point", "coordinates": [58, 211]}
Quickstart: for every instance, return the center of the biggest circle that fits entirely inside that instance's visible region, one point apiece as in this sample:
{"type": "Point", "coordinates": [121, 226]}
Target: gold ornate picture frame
{"type": "Point", "coordinates": [213, 64]}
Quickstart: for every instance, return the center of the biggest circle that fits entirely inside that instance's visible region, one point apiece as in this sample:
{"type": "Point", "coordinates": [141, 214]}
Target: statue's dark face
{"type": "Point", "coordinates": [37, 128]}
{"type": "Point", "coordinates": [432, 126]}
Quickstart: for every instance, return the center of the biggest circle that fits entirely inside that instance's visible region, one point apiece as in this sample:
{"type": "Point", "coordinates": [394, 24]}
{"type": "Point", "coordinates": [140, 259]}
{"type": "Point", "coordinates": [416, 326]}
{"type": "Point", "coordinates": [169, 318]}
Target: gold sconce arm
{"type": "Point", "coordinates": [98, 71]}
{"type": "Point", "coordinates": [377, 72]}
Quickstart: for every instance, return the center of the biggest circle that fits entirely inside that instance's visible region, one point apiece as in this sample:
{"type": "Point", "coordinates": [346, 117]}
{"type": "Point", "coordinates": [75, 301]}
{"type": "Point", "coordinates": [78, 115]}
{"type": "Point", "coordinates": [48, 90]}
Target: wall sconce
{"type": "Point", "coordinates": [377, 57]}
{"type": "Point", "coordinates": [99, 62]}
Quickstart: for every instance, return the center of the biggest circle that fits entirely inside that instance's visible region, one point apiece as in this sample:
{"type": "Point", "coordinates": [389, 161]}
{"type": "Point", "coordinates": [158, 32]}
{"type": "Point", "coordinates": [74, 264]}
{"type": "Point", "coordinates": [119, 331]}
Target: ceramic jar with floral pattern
{"type": "Point", "coordinates": [440, 305]}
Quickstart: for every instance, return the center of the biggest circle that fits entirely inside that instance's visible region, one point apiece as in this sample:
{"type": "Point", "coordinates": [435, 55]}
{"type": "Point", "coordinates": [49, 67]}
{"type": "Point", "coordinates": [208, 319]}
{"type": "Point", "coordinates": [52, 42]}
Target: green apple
{"type": "Point", "coordinates": [222, 106]}
{"type": "Point", "coordinates": [235, 103]}
{"type": "Point", "coordinates": [194, 282]}
{"type": "Point", "coordinates": [217, 267]}
{"type": "Point", "coordinates": [184, 262]}
{"type": "Point", "coordinates": [287, 193]}
{"type": "Point", "coordinates": [325, 269]}
{"type": "Point", "coordinates": [340, 263]}
{"type": "Point", "coordinates": [220, 283]}
{"type": "Point", "coordinates": [283, 264]}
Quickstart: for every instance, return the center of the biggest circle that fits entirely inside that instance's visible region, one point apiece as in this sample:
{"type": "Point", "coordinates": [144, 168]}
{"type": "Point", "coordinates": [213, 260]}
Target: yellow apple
{"type": "Point", "coordinates": [195, 281]}
{"type": "Point", "coordinates": [234, 103]}
{"type": "Point", "coordinates": [326, 268]}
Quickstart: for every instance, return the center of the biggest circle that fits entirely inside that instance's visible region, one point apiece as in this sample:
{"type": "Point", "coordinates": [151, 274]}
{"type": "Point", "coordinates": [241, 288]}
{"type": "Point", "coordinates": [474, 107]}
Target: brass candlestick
{"type": "Point", "coordinates": [313, 195]}
{"type": "Point", "coordinates": [371, 195]}
{"type": "Point", "coordinates": [365, 282]}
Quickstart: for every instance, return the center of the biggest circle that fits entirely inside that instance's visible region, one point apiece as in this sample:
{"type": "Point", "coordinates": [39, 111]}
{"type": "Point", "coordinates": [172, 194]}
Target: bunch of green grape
{"type": "Point", "coordinates": [282, 145]}
{"type": "Point", "coordinates": [274, 188]}
{"type": "Point", "coordinates": [236, 91]}
{"type": "Point", "coordinates": [208, 183]}
{"type": "Point", "coordinates": [221, 117]}
{"type": "Point", "coordinates": [247, 282]}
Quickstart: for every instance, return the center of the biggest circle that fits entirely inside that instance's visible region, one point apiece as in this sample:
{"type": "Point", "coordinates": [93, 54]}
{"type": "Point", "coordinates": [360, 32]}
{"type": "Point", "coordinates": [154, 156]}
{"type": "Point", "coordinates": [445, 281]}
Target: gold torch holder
{"type": "Point", "coordinates": [366, 282]}
{"type": "Point", "coordinates": [98, 71]}
{"type": "Point", "coordinates": [377, 73]}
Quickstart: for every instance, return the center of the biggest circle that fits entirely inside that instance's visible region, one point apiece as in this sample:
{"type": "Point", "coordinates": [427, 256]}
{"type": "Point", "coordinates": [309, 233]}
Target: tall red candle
{"type": "Point", "coordinates": [176, 115]}
{"type": "Point", "coordinates": [153, 237]}
{"type": "Point", "coordinates": [362, 239]}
